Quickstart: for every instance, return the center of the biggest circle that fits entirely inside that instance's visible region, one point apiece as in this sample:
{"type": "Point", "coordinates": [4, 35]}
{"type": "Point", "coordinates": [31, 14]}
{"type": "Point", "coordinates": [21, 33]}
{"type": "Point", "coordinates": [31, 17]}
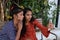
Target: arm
{"type": "Point", "coordinates": [18, 35]}
{"type": "Point", "coordinates": [43, 29]}
{"type": "Point", "coordinates": [18, 31]}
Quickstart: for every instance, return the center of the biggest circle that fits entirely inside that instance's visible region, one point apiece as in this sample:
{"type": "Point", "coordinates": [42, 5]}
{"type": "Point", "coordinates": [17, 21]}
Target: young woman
{"type": "Point", "coordinates": [28, 30]}
{"type": "Point", "coordinates": [12, 29]}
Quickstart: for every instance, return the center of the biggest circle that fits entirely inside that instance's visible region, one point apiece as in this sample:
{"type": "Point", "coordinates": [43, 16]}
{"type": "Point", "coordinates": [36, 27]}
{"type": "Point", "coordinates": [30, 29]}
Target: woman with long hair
{"type": "Point", "coordinates": [29, 24]}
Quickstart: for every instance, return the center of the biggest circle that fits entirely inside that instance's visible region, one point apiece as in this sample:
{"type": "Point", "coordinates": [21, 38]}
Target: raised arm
{"type": "Point", "coordinates": [43, 29]}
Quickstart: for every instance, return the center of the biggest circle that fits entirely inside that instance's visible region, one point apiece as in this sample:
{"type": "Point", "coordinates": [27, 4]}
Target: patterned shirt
{"type": "Point", "coordinates": [8, 31]}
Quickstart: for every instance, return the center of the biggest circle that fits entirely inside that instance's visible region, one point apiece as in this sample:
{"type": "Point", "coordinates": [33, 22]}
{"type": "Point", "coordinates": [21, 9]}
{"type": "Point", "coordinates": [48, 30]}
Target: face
{"type": "Point", "coordinates": [20, 16]}
{"type": "Point", "coordinates": [28, 16]}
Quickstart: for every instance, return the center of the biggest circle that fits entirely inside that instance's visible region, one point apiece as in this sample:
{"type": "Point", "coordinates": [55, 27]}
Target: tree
{"type": "Point", "coordinates": [39, 7]}
{"type": "Point", "coordinates": [1, 10]}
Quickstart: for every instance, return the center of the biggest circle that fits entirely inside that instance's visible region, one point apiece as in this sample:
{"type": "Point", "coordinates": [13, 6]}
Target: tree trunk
{"type": "Point", "coordinates": [1, 11]}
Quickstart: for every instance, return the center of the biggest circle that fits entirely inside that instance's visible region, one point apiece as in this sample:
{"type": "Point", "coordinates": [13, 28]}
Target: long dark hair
{"type": "Point", "coordinates": [25, 11]}
{"type": "Point", "coordinates": [24, 21]}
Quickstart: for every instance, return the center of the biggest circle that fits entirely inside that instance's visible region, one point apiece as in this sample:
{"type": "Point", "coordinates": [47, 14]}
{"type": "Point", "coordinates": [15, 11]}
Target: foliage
{"type": "Point", "coordinates": [39, 8]}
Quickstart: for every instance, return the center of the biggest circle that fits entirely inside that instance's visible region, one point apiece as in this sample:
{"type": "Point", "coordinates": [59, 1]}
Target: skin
{"type": "Point", "coordinates": [18, 23]}
{"type": "Point", "coordinates": [28, 16]}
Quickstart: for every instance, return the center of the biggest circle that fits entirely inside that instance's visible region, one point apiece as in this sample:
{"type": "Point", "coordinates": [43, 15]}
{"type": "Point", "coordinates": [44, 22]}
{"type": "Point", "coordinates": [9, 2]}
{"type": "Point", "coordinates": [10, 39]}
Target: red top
{"type": "Point", "coordinates": [30, 31]}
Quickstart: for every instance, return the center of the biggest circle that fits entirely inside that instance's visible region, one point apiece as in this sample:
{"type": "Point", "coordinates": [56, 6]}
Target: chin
{"type": "Point", "coordinates": [28, 20]}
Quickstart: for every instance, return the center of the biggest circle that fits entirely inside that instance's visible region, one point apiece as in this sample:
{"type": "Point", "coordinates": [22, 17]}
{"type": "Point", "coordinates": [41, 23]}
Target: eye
{"type": "Point", "coordinates": [27, 14]}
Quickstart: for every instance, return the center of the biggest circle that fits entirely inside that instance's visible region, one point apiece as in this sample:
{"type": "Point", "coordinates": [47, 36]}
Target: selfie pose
{"type": "Point", "coordinates": [29, 23]}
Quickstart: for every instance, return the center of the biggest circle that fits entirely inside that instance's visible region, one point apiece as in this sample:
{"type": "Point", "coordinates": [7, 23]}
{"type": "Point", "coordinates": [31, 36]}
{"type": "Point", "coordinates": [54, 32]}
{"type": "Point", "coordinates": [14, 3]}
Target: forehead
{"type": "Point", "coordinates": [20, 12]}
{"type": "Point", "coordinates": [29, 12]}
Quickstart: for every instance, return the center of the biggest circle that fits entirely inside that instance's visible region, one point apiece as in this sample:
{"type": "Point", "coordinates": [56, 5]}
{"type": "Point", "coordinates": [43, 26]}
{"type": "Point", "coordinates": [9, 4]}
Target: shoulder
{"type": "Point", "coordinates": [35, 21]}
{"type": "Point", "coordinates": [8, 25]}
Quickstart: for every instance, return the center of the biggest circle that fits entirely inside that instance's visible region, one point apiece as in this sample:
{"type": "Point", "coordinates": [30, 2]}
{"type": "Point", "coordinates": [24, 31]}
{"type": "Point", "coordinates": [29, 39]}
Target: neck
{"type": "Point", "coordinates": [27, 21]}
{"type": "Point", "coordinates": [15, 22]}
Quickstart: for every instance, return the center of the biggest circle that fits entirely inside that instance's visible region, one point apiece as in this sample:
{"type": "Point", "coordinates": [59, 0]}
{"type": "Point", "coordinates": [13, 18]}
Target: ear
{"type": "Point", "coordinates": [14, 16]}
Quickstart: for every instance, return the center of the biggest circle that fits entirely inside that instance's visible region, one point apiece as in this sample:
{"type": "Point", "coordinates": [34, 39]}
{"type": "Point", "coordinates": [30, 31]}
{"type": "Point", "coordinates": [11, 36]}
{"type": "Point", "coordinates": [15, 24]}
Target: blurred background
{"type": "Point", "coordinates": [43, 10]}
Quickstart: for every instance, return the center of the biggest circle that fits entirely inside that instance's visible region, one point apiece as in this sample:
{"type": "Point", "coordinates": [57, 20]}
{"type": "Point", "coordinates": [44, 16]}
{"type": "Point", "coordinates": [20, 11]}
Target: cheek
{"type": "Point", "coordinates": [31, 17]}
{"type": "Point", "coordinates": [20, 18]}
{"type": "Point", "coordinates": [27, 17]}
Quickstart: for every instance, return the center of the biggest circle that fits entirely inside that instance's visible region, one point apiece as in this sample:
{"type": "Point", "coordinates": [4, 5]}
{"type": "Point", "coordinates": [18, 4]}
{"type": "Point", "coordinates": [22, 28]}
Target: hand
{"type": "Point", "coordinates": [19, 26]}
{"type": "Point", "coordinates": [50, 26]}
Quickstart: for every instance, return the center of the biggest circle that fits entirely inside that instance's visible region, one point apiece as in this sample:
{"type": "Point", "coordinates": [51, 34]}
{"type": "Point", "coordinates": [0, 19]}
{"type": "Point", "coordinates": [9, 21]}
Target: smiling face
{"type": "Point", "coordinates": [28, 15]}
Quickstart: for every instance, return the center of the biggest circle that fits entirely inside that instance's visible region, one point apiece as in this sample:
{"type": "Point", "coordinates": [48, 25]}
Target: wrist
{"type": "Point", "coordinates": [49, 29]}
{"type": "Point", "coordinates": [19, 30]}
